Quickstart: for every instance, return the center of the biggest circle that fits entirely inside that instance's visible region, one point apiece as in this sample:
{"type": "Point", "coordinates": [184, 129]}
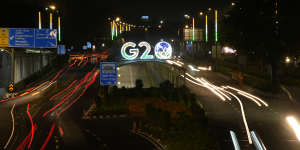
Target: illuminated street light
{"type": "Point", "coordinates": [186, 26]}
{"type": "Point", "coordinates": [118, 19]}
{"type": "Point", "coordinates": [201, 13]}
{"type": "Point", "coordinates": [209, 9]}
{"type": "Point", "coordinates": [161, 22]}
{"type": "Point", "coordinates": [287, 60]}
{"type": "Point", "coordinates": [233, 4]}
{"type": "Point", "coordinates": [186, 16]}
{"type": "Point", "coordinates": [52, 7]}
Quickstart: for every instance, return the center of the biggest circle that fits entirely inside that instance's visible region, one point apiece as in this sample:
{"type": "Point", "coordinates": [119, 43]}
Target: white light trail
{"type": "Point", "coordinates": [243, 115]}
{"type": "Point", "coordinates": [255, 101]}
{"type": "Point", "coordinates": [193, 69]}
{"type": "Point", "coordinates": [235, 141]}
{"type": "Point", "coordinates": [205, 68]}
{"type": "Point", "coordinates": [294, 125]}
{"type": "Point", "coordinates": [13, 126]}
{"type": "Point", "coordinates": [249, 95]}
{"type": "Point", "coordinates": [257, 143]}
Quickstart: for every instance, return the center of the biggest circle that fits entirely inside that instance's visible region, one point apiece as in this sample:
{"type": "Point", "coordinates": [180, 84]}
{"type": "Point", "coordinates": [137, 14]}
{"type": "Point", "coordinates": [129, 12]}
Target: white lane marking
{"type": "Point", "coordinates": [235, 141]}
{"type": "Point", "coordinates": [13, 126]}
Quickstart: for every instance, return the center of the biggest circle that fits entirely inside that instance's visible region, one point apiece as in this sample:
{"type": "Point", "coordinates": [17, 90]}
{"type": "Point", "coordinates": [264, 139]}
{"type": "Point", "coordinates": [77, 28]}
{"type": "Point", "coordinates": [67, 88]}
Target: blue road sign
{"type": "Point", "coordinates": [45, 38]}
{"type": "Point", "coordinates": [89, 44]}
{"type": "Point", "coordinates": [21, 37]}
{"type": "Point", "coordinates": [108, 73]}
{"type": "Point", "coordinates": [61, 50]}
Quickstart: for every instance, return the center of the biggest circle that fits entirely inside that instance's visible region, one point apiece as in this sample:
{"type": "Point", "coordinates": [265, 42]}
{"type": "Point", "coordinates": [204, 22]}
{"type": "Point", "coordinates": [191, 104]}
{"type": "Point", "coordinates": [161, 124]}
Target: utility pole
{"type": "Point", "coordinates": [12, 54]}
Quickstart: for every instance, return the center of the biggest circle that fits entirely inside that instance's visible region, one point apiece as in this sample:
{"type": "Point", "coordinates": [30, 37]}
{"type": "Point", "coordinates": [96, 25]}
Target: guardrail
{"type": "Point", "coordinates": [149, 138]}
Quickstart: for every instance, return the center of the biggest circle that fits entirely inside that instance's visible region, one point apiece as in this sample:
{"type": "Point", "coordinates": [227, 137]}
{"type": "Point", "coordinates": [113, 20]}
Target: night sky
{"type": "Point", "coordinates": [85, 19]}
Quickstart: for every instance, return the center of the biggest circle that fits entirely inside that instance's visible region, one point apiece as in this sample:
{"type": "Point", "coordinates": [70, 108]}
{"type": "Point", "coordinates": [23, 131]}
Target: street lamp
{"type": "Point", "coordinates": [52, 7]}
{"type": "Point", "coordinates": [186, 16]}
{"type": "Point", "coordinates": [201, 13]}
{"type": "Point", "coordinates": [118, 19]}
{"type": "Point", "coordinates": [233, 4]}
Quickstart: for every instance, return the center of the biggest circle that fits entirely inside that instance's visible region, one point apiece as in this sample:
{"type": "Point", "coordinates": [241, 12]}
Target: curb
{"type": "Point", "coordinates": [100, 117]}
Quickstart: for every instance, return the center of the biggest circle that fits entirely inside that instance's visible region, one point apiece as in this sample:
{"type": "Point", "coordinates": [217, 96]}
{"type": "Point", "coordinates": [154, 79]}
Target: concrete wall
{"type": "Point", "coordinates": [25, 65]}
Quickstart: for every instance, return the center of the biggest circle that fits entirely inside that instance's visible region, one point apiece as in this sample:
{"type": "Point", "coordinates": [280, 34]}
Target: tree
{"type": "Point", "coordinates": [249, 27]}
{"type": "Point", "coordinates": [139, 84]}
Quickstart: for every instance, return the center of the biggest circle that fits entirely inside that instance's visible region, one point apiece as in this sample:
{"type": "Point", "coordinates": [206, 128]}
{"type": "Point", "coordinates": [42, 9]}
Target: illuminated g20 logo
{"type": "Point", "coordinates": [162, 50]}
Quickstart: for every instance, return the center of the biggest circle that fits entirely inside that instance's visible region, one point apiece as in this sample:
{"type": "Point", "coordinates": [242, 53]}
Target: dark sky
{"type": "Point", "coordinates": [84, 19]}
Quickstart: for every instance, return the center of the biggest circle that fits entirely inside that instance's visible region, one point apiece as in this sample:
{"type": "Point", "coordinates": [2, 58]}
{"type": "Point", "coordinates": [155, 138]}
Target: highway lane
{"type": "Point", "coordinates": [63, 127]}
{"type": "Point", "coordinates": [269, 122]}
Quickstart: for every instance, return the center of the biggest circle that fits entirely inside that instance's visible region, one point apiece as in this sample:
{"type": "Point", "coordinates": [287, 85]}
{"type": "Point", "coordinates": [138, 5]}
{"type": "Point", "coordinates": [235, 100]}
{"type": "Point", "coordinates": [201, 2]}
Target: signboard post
{"type": "Point", "coordinates": [108, 73]}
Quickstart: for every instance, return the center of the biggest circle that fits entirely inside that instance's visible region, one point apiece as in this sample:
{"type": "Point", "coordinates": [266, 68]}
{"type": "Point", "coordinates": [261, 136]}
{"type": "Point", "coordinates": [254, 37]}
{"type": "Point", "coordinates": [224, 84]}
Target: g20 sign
{"type": "Point", "coordinates": [162, 50]}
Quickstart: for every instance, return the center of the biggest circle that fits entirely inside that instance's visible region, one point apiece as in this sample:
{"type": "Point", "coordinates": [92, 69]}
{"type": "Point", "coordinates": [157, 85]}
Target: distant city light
{"type": "Point", "coordinates": [186, 26]}
{"type": "Point", "coordinates": [233, 4]}
{"type": "Point", "coordinates": [161, 22]}
{"type": "Point", "coordinates": [118, 19]}
{"type": "Point", "coordinates": [201, 13]}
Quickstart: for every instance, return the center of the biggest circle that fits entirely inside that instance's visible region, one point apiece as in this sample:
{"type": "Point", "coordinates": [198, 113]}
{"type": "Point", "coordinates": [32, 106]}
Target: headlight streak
{"type": "Point", "coordinates": [193, 69]}
{"type": "Point", "coordinates": [255, 101]}
{"type": "Point", "coordinates": [257, 143]}
{"type": "Point", "coordinates": [249, 95]}
{"type": "Point", "coordinates": [235, 141]}
{"type": "Point", "coordinates": [244, 116]}
{"type": "Point", "coordinates": [218, 91]}
{"type": "Point", "coordinates": [13, 126]}
{"type": "Point", "coordinates": [294, 125]}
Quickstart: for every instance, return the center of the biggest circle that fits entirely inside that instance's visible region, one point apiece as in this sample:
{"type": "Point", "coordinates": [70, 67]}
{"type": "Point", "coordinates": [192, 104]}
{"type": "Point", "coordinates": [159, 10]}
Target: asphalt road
{"type": "Point", "coordinates": [56, 109]}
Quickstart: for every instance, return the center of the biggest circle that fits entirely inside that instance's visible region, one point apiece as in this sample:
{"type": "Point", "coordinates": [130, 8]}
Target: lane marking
{"type": "Point", "coordinates": [13, 126]}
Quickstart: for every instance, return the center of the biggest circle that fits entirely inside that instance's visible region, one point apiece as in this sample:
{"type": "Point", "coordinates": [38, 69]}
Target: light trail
{"type": "Point", "coordinates": [35, 93]}
{"type": "Point", "coordinates": [26, 140]}
{"type": "Point", "coordinates": [56, 76]}
{"type": "Point", "coordinates": [205, 68]}
{"type": "Point", "coordinates": [193, 69]}
{"type": "Point", "coordinates": [243, 115]}
{"type": "Point", "coordinates": [13, 126]}
{"type": "Point", "coordinates": [235, 141]}
{"type": "Point", "coordinates": [48, 137]}
{"type": "Point", "coordinates": [70, 85]}
{"type": "Point", "coordinates": [32, 127]}
{"type": "Point", "coordinates": [254, 100]}
{"type": "Point", "coordinates": [66, 97]}
{"type": "Point", "coordinates": [257, 143]}
{"type": "Point", "coordinates": [250, 95]}
{"type": "Point", "coordinates": [206, 86]}
{"type": "Point", "coordinates": [294, 125]}
{"type": "Point", "coordinates": [216, 88]}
